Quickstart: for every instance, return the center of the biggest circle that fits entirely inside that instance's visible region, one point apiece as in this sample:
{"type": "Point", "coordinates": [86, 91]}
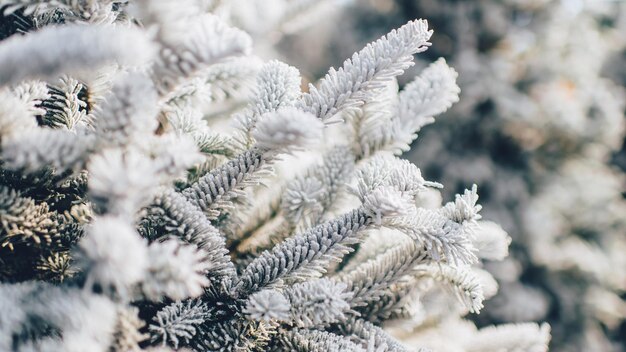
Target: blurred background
{"type": "Point", "coordinates": [540, 128]}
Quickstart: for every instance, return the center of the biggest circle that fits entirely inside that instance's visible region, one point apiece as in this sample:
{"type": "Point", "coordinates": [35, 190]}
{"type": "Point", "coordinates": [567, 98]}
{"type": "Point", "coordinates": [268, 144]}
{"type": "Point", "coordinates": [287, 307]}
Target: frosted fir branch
{"type": "Point", "coordinates": [24, 221]}
{"type": "Point", "coordinates": [461, 281]}
{"type": "Point", "coordinates": [318, 303]}
{"type": "Point", "coordinates": [200, 170]}
{"type": "Point", "coordinates": [287, 129]}
{"type": "Point", "coordinates": [186, 120]}
{"type": "Point", "coordinates": [388, 171]}
{"type": "Point", "coordinates": [529, 337]}
{"type": "Point", "coordinates": [491, 241]}
{"type": "Point", "coordinates": [184, 220]}
{"type": "Point", "coordinates": [36, 149]}
{"type": "Point", "coordinates": [176, 271]}
{"type": "Point", "coordinates": [127, 336]}
{"type": "Point", "coordinates": [189, 121]}
{"type": "Point", "coordinates": [370, 335]}
{"type": "Point", "coordinates": [444, 239]}
{"type": "Point", "coordinates": [207, 40]}
{"type": "Point", "coordinates": [277, 86]}
{"type": "Point", "coordinates": [24, 57]}
{"type": "Point", "coordinates": [399, 301]}
{"type": "Point", "coordinates": [29, 6]}
{"type": "Point", "coordinates": [91, 11]}
{"type": "Point", "coordinates": [390, 122]}
{"type": "Point", "coordinates": [387, 202]}
{"type": "Point", "coordinates": [121, 182]}
{"type": "Point", "coordinates": [314, 341]}
{"type": "Point", "coordinates": [218, 187]}
{"type": "Point", "coordinates": [57, 266]}
{"type": "Point", "coordinates": [232, 78]}
{"type": "Point", "coordinates": [487, 282]}
{"type": "Point", "coordinates": [306, 305]}
{"type": "Point", "coordinates": [268, 305]}
{"type": "Point", "coordinates": [302, 199]}
{"type": "Point", "coordinates": [306, 198]}
{"type": "Point", "coordinates": [372, 123]}
{"type": "Point", "coordinates": [113, 255]}
{"type": "Point", "coordinates": [15, 115]}
{"type": "Point", "coordinates": [446, 233]}
{"type": "Point", "coordinates": [371, 280]}
{"type": "Point", "coordinates": [280, 132]}
{"type": "Point", "coordinates": [304, 255]}
{"type": "Point", "coordinates": [98, 86]}
{"type": "Point", "coordinates": [33, 94]}
{"type": "Point", "coordinates": [63, 311]}
{"type": "Point", "coordinates": [365, 73]}
{"type": "Point", "coordinates": [65, 108]}
{"type": "Point", "coordinates": [464, 209]}
{"type": "Point", "coordinates": [234, 334]}
{"type": "Point", "coordinates": [179, 322]}
{"type": "Point", "coordinates": [129, 111]}
{"type": "Point", "coordinates": [212, 143]}
{"type": "Point", "coordinates": [171, 155]}
{"type": "Point", "coordinates": [428, 95]}
{"type": "Point", "coordinates": [14, 314]}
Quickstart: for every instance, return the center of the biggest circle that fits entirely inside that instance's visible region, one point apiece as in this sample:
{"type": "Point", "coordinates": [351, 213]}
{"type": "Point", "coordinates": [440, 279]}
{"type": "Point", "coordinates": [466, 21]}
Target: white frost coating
{"type": "Point", "coordinates": [207, 40]}
{"type": "Point", "coordinates": [386, 170]}
{"type": "Point", "coordinates": [528, 337]}
{"type": "Point", "coordinates": [14, 115]}
{"type": "Point", "coordinates": [385, 202]}
{"type": "Point", "coordinates": [121, 182]}
{"type": "Point", "coordinates": [41, 147]}
{"type": "Point", "coordinates": [268, 305]}
{"type": "Point", "coordinates": [487, 282]}
{"type": "Point", "coordinates": [172, 155]}
{"type": "Point", "coordinates": [288, 127]}
{"type": "Point", "coordinates": [461, 282]}
{"type": "Point", "coordinates": [71, 310]}
{"type": "Point", "coordinates": [445, 240]}
{"type": "Point", "coordinates": [130, 109]}
{"type": "Point", "coordinates": [175, 270]}
{"type": "Point", "coordinates": [464, 208]}
{"type": "Point", "coordinates": [114, 255]}
{"type": "Point", "coordinates": [367, 71]}
{"type": "Point", "coordinates": [169, 16]}
{"type": "Point", "coordinates": [278, 86]}
{"type": "Point", "coordinates": [51, 51]}
{"type": "Point", "coordinates": [430, 94]}
{"type": "Point", "coordinates": [491, 241]}
{"type": "Point", "coordinates": [318, 302]}
{"type": "Point", "coordinates": [32, 93]}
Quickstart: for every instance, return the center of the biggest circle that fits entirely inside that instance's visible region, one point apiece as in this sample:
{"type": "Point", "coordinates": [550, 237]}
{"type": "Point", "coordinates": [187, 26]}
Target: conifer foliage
{"type": "Point", "coordinates": [153, 197]}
